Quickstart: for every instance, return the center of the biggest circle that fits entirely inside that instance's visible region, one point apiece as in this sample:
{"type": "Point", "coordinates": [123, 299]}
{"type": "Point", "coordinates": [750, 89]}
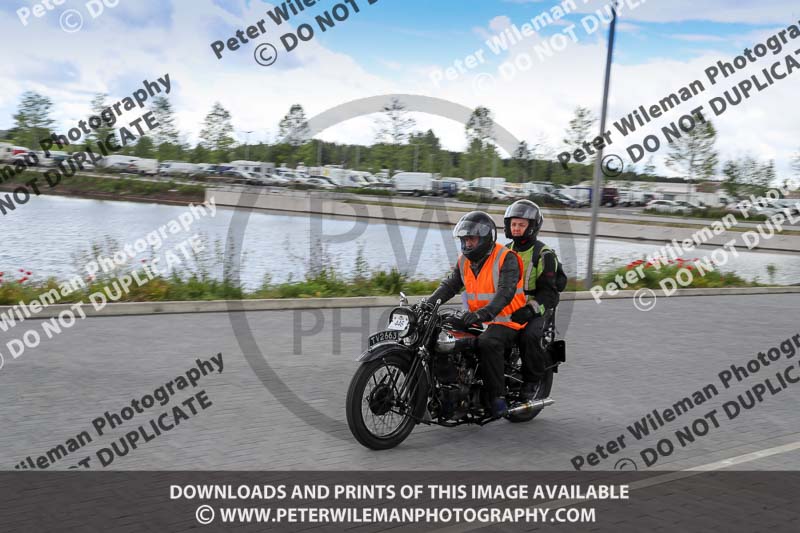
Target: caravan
{"type": "Point", "coordinates": [259, 168]}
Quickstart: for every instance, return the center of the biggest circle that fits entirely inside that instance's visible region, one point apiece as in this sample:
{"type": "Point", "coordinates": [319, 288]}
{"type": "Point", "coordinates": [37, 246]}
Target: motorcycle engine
{"type": "Point", "coordinates": [455, 374]}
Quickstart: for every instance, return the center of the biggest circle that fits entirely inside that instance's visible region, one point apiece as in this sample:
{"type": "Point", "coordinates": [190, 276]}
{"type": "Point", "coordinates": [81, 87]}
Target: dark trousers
{"type": "Point", "coordinates": [534, 359]}
{"type": "Point", "coordinates": [492, 345]}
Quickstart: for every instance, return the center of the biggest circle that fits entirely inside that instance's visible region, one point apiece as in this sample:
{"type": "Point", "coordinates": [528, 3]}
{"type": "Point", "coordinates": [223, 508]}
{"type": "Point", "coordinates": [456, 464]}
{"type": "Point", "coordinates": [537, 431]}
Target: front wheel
{"type": "Point", "coordinates": [378, 418]}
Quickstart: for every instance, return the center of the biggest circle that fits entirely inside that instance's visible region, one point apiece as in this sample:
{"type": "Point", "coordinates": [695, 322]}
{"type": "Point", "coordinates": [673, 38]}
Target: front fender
{"type": "Point", "coordinates": [370, 355]}
{"type": "Point", "coordinates": [403, 351]}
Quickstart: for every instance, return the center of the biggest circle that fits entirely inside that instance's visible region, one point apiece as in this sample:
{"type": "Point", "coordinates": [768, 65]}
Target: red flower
{"type": "Point", "coordinates": [22, 270]}
{"type": "Point", "coordinates": [28, 273]}
{"type": "Point", "coordinates": [1, 274]}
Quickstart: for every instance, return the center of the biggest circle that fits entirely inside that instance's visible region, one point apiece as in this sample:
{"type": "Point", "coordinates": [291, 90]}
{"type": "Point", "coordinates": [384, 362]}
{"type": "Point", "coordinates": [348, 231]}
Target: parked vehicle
{"type": "Point", "coordinates": [691, 205]}
{"type": "Point", "coordinates": [146, 167]}
{"type": "Point", "coordinates": [6, 152]}
{"type": "Point", "coordinates": [631, 197]}
{"type": "Point", "coordinates": [117, 163]}
{"type": "Point", "coordinates": [786, 205]}
{"type": "Point", "coordinates": [424, 370]}
{"type": "Point", "coordinates": [610, 197]}
{"type": "Point", "coordinates": [177, 168]}
{"type": "Point", "coordinates": [447, 189]}
{"type": "Point", "coordinates": [493, 184]}
{"type": "Point", "coordinates": [567, 193]}
{"type": "Point", "coordinates": [258, 167]}
{"type": "Point", "coordinates": [319, 182]}
{"type": "Point", "coordinates": [668, 206]}
{"type": "Point", "coordinates": [582, 194]}
{"type": "Point", "coordinates": [552, 199]}
{"type": "Point", "coordinates": [416, 183]}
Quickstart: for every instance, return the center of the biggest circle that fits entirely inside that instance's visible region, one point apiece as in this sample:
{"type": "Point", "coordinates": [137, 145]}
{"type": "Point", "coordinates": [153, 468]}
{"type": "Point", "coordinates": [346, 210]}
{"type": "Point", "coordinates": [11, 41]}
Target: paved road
{"type": "Point", "coordinates": [622, 364]}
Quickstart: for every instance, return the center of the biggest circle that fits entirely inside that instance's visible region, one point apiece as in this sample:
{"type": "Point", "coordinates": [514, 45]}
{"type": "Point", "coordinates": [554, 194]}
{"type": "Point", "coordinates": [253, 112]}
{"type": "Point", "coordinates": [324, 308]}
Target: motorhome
{"type": "Point", "coordinates": [344, 177]}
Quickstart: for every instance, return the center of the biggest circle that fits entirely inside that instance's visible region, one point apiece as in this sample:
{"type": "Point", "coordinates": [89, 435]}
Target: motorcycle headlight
{"type": "Point", "coordinates": [401, 320]}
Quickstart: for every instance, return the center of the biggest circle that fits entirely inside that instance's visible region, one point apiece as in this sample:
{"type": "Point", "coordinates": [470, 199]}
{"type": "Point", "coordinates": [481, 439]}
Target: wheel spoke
{"type": "Point", "coordinates": [387, 381]}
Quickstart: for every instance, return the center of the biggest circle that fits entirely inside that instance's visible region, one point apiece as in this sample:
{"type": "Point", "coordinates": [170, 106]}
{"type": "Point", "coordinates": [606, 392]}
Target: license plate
{"type": "Point", "coordinates": [383, 336]}
{"type": "Point", "coordinates": [399, 322]}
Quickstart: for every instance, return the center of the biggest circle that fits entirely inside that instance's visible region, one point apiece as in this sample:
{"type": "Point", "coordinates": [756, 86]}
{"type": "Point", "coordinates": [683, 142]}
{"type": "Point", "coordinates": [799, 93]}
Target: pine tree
{"type": "Point", "coordinates": [580, 128]}
{"type": "Point", "coordinates": [294, 126]}
{"type": "Point", "coordinates": [395, 126]}
{"type": "Point", "coordinates": [167, 131]}
{"type": "Point", "coordinates": [480, 127]}
{"type": "Point", "coordinates": [108, 119]}
{"type": "Point", "coordinates": [217, 132]}
{"type": "Point", "coordinates": [32, 120]}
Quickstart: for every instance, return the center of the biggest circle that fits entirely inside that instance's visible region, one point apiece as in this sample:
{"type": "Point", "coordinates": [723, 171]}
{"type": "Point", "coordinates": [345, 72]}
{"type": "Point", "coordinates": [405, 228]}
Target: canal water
{"type": "Point", "coordinates": [56, 236]}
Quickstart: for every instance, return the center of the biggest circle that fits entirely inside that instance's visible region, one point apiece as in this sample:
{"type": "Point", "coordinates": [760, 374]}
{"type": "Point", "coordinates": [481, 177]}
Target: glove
{"type": "Point", "coordinates": [481, 315]}
{"type": "Point", "coordinates": [525, 314]}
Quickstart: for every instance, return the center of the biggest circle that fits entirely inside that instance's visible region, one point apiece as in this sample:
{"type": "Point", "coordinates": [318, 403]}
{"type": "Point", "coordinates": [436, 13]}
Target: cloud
{"type": "Point", "coordinates": [697, 38]}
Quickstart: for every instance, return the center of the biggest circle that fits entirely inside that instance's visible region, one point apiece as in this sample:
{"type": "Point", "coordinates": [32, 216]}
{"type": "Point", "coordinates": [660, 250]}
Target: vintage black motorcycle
{"type": "Point", "coordinates": [424, 370]}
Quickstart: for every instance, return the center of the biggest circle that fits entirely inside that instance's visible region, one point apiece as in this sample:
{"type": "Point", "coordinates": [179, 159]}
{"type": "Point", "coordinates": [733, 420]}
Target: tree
{"type": "Point", "coordinates": [580, 127]}
{"type": "Point", "coordinates": [144, 147]}
{"type": "Point", "coordinates": [748, 175]}
{"type": "Point", "coordinates": [480, 127]}
{"type": "Point", "coordinates": [294, 126]}
{"type": "Point", "coordinates": [693, 154]}
{"type": "Point", "coordinates": [522, 158]}
{"type": "Point", "coordinates": [101, 109]}
{"type": "Point", "coordinates": [649, 167]}
{"type": "Point", "coordinates": [217, 131]}
{"type": "Point", "coordinates": [32, 120]}
{"type": "Point", "coordinates": [167, 131]}
{"type": "Point", "coordinates": [396, 125]}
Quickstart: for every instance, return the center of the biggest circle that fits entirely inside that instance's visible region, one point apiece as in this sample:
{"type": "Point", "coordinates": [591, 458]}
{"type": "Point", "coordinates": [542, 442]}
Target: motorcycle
{"type": "Point", "coordinates": [424, 369]}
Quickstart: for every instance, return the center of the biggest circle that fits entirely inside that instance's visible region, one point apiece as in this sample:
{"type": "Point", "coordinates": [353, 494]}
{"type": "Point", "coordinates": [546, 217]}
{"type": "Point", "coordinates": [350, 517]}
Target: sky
{"type": "Point", "coordinates": [404, 47]}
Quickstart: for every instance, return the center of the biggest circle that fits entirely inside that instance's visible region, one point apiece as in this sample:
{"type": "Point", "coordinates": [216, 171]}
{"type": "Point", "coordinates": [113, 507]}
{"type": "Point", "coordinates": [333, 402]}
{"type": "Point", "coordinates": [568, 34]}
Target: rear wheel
{"type": "Point", "coordinates": [543, 391]}
{"type": "Point", "coordinates": [378, 418]}
{"type": "Point", "coordinates": [514, 380]}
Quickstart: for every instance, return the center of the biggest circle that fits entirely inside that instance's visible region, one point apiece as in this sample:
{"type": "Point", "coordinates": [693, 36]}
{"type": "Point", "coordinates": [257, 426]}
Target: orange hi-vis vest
{"type": "Point", "coordinates": [481, 290]}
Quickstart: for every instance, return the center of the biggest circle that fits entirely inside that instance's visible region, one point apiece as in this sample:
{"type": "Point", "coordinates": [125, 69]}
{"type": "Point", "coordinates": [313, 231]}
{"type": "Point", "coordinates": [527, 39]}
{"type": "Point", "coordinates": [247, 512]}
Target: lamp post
{"type": "Point", "coordinates": [247, 145]}
{"type": "Point", "coordinates": [597, 192]}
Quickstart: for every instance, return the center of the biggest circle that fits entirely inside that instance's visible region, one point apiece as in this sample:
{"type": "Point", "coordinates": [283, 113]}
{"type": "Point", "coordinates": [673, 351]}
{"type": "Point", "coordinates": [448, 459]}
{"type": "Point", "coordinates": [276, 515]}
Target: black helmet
{"type": "Point", "coordinates": [527, 210]}
{"type": "Point", "coordinates": [477, 224]}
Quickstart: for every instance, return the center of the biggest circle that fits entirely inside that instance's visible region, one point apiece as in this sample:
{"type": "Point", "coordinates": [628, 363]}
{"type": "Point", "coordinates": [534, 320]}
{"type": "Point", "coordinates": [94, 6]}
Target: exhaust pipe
{"type": "Point", "coordinates": [527, 406]}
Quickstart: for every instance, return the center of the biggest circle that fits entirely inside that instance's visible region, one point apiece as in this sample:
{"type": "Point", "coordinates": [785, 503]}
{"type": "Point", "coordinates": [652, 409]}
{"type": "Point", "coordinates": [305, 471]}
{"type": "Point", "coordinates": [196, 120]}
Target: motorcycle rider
{"type": "Point", "coordinates": [523, 220]}
{"type": "Point", "coordinates": [491, 275]}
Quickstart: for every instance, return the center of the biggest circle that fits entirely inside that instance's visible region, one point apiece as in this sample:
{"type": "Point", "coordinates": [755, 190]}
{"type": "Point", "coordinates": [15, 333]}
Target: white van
{"type": "Point", "coordinates": [146, 167]}
{"type": "Point", "coordinates": [177, 168]}
{"type": "Point", "coordinates": [416, 183]}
